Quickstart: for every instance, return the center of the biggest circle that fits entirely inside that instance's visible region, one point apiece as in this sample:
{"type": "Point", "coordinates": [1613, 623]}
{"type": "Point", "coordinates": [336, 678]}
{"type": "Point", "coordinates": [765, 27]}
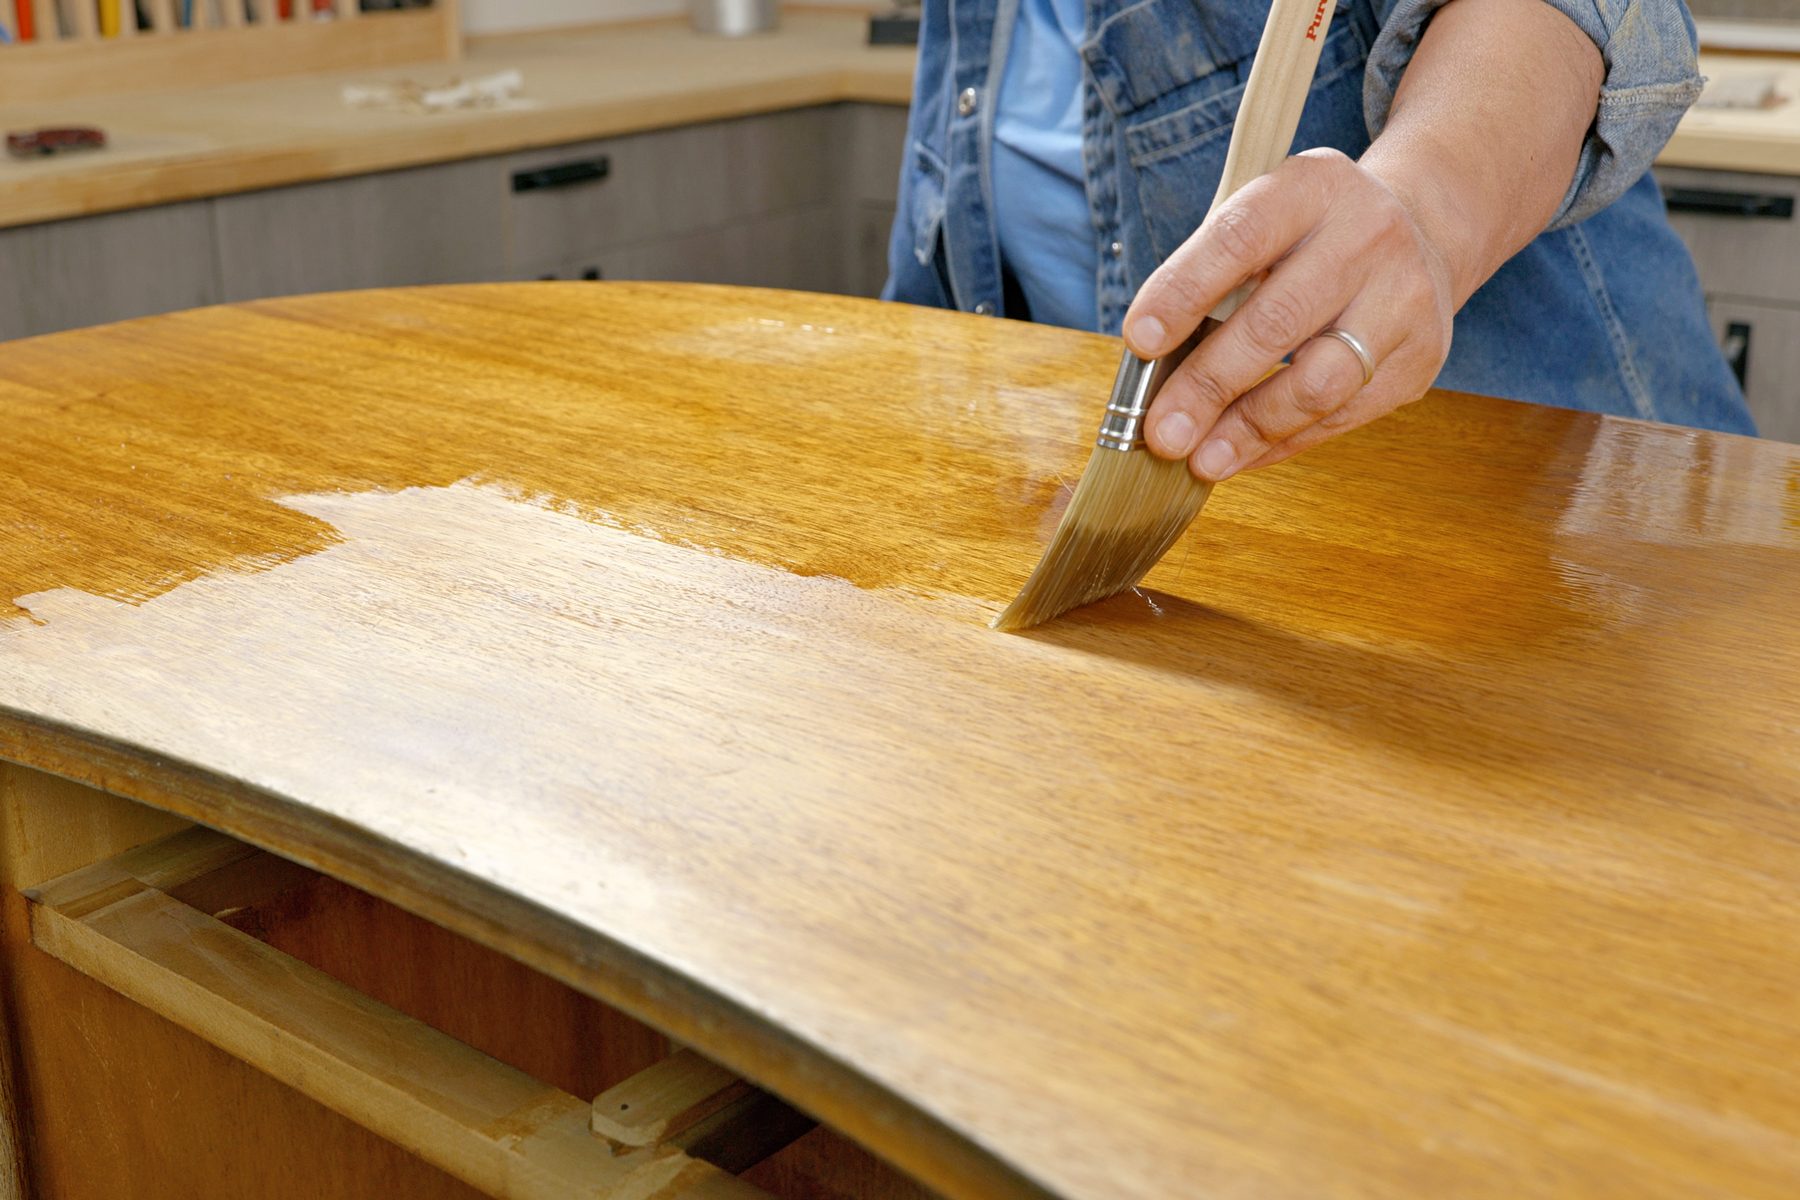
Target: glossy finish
{"type": "Point", "coordinates": [1450, 847]}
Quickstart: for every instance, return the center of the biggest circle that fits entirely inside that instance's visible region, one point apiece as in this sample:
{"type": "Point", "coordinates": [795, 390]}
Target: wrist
{"type": "Point", "coordinates": [1453, 250]}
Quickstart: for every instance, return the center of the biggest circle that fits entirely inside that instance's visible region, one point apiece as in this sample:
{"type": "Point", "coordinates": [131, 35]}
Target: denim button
{"type": "Point", "coordinates": [967, 102]}
{"type": "Point", "coordinates": [1116, 249]}
{"type": "Point", "coordinates": [984, 309]}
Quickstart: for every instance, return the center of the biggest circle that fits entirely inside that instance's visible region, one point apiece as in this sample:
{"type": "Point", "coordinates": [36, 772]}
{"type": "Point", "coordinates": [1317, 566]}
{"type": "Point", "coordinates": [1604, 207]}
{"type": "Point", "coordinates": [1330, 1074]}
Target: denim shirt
{"type": "Point", "coordinates": [1603, 311]}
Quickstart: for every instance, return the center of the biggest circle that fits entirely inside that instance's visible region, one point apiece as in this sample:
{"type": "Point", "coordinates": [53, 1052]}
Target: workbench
{"type": "Point", "coordinates": [643, 151]}
{"type": "Point", "coordinates": [424, 710]}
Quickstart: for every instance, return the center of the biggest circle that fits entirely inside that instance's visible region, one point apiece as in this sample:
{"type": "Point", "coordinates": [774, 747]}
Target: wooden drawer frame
{"type": "Point", "coordinates": [147, 924]}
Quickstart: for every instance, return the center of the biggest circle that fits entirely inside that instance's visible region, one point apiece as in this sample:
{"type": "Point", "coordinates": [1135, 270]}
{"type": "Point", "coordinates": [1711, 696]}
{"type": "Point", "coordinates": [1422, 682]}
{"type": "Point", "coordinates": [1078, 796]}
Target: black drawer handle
{"type": "Point", "coordinates": [1736, 347]}
{"type": "Point", "coordinates": [562, 174]}
{"type": "Point", "coordinates": [1728, 204]}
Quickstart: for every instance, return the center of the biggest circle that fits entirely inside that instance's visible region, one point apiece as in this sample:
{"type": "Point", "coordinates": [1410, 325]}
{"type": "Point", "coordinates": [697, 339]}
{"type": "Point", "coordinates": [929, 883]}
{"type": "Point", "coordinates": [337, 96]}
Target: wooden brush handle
{"type": "Point", "coordinates": [1280, 78]}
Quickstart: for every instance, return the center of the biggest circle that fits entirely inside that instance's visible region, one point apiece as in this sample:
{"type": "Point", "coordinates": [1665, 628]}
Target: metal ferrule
{"type": "Point", "coordinates": [1135, 386]}
{"type": "Point", "coordinates": [1122, 428]}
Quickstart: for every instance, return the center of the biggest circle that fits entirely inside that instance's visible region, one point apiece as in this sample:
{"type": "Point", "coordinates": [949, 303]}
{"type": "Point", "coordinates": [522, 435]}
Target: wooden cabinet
{"type": "Point", "coordinates": [800, 199]}
{"type": "Point", "coordinates": [780, 250]}
{"type": "Point", "coordinates": [875, 139]}
{"type": "Point", "coordinates": [1745, 239]}
{"type": "Point", "coordinates": [1741, 228]}
{"type": "Point", "coordinates": [437, 224]}
{"type": "Point", "coordinates": [92, 270]}
{"type": "Point", "coordinates": [659, 188]}
{"type": "Point", "coordinates": [1763, 340]}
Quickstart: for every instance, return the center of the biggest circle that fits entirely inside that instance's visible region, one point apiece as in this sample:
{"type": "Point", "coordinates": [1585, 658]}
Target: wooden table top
{"type": "Point", "coordinates": [1429, 825]}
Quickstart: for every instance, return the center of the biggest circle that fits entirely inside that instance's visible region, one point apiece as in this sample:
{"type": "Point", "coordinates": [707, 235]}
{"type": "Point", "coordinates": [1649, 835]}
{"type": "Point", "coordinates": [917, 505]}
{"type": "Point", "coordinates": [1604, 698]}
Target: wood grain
{"type": "Point", "coordinates": [205, 141]}
{"type": "Point", "coordinates": [1426, 826]}
{"type": "Point", "coordinates": [12, 1167]}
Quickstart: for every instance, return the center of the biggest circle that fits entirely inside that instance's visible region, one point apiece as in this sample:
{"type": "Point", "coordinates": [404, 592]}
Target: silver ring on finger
{"type": "Point", "coordinates": [1363, 357]}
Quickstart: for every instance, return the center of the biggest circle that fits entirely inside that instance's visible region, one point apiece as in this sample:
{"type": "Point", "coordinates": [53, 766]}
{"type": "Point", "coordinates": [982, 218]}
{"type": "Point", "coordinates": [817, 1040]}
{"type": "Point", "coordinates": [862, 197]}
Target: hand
{"type": "Point", "coordinates": [1340, 248]}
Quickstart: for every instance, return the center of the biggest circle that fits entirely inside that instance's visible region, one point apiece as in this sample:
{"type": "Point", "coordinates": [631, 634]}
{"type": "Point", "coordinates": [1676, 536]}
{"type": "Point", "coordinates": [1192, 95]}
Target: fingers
{"type": "Point", "coordinates": [1323, 379]}
{"type": "Point", "coordinates": [1243, 237]}
{"type": "Point", "coordinates": [1329, 244]}
{"type": "Point", "coordinates": [1363, 408]}
{"type": "Point", "coordinates": [1300, 296]}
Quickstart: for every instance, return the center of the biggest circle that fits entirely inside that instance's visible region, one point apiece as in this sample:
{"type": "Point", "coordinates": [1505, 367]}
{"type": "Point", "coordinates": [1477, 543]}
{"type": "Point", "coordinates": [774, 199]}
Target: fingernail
{"type": "Point", "coordinates": [1217, 459]}
{"type": "Point", "coordinates": [1175, 434]}
{"type": "Point", "coordinates": [1147, 334]}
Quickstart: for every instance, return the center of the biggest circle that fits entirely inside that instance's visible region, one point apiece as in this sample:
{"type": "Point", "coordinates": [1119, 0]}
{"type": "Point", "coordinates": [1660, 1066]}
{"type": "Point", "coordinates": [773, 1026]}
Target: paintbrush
{"type": "Point", "coordinates": [1130, 505]}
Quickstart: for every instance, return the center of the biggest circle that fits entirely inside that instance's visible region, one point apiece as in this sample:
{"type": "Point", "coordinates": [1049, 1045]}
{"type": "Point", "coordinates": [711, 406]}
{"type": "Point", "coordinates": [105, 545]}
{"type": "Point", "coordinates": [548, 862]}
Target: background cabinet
{"type": "Point", "coordinates": [96, 269]}
{"type": "Point", "coordinates": [800, 199]}
{"type": "Point", "coordinates": [1745, 238]}
{"type": "Point", "coordinates": [726, 179]}
{"type": "Point", "coordinates": [434, 224]}
{"type": "Point", "coordinates": [874, 142]}
{"type": "Point", "coordinates": [1764, 342]}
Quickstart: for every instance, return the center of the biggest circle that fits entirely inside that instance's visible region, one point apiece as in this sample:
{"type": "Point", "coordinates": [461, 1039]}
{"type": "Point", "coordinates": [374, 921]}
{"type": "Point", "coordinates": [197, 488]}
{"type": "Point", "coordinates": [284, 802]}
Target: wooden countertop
{"type": "Point", "coordinates": [1426, 826]}
{"type": "Point", "coordinates": [1724, 139]}
{"type": "Point", "coordinates": [586, 84]}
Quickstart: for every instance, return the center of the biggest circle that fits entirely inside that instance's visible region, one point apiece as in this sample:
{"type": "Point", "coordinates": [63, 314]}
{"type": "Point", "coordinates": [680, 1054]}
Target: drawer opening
{"type": "Point", "coordinates": [505, 1078]}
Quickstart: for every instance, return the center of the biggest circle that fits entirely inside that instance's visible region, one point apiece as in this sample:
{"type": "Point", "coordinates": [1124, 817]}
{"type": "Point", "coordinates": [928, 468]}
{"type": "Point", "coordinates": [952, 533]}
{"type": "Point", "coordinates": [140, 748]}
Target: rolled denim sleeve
{"type": "Point", "coordinates": [1652, 77]}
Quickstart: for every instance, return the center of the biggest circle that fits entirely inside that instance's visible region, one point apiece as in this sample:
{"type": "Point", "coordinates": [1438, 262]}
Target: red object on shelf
{"type": "Point", "coordinates": [38, 142]}
{"type": "Point", "coordinates": [27, 20]}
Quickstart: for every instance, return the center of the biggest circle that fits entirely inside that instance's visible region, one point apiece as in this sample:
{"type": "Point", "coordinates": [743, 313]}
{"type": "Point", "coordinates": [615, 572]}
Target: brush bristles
{"type": "Point", "coordinates": [1128, 509]}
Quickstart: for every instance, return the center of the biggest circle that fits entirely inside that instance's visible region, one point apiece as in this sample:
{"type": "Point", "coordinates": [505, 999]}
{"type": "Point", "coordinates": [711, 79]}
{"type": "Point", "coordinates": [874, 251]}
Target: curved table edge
{"type": "Point", "coordinates": [836, 1093]}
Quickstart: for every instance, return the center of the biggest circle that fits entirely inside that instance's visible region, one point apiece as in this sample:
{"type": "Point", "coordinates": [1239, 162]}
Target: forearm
{"type": "Point", "coordinates": [1486, 130]}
